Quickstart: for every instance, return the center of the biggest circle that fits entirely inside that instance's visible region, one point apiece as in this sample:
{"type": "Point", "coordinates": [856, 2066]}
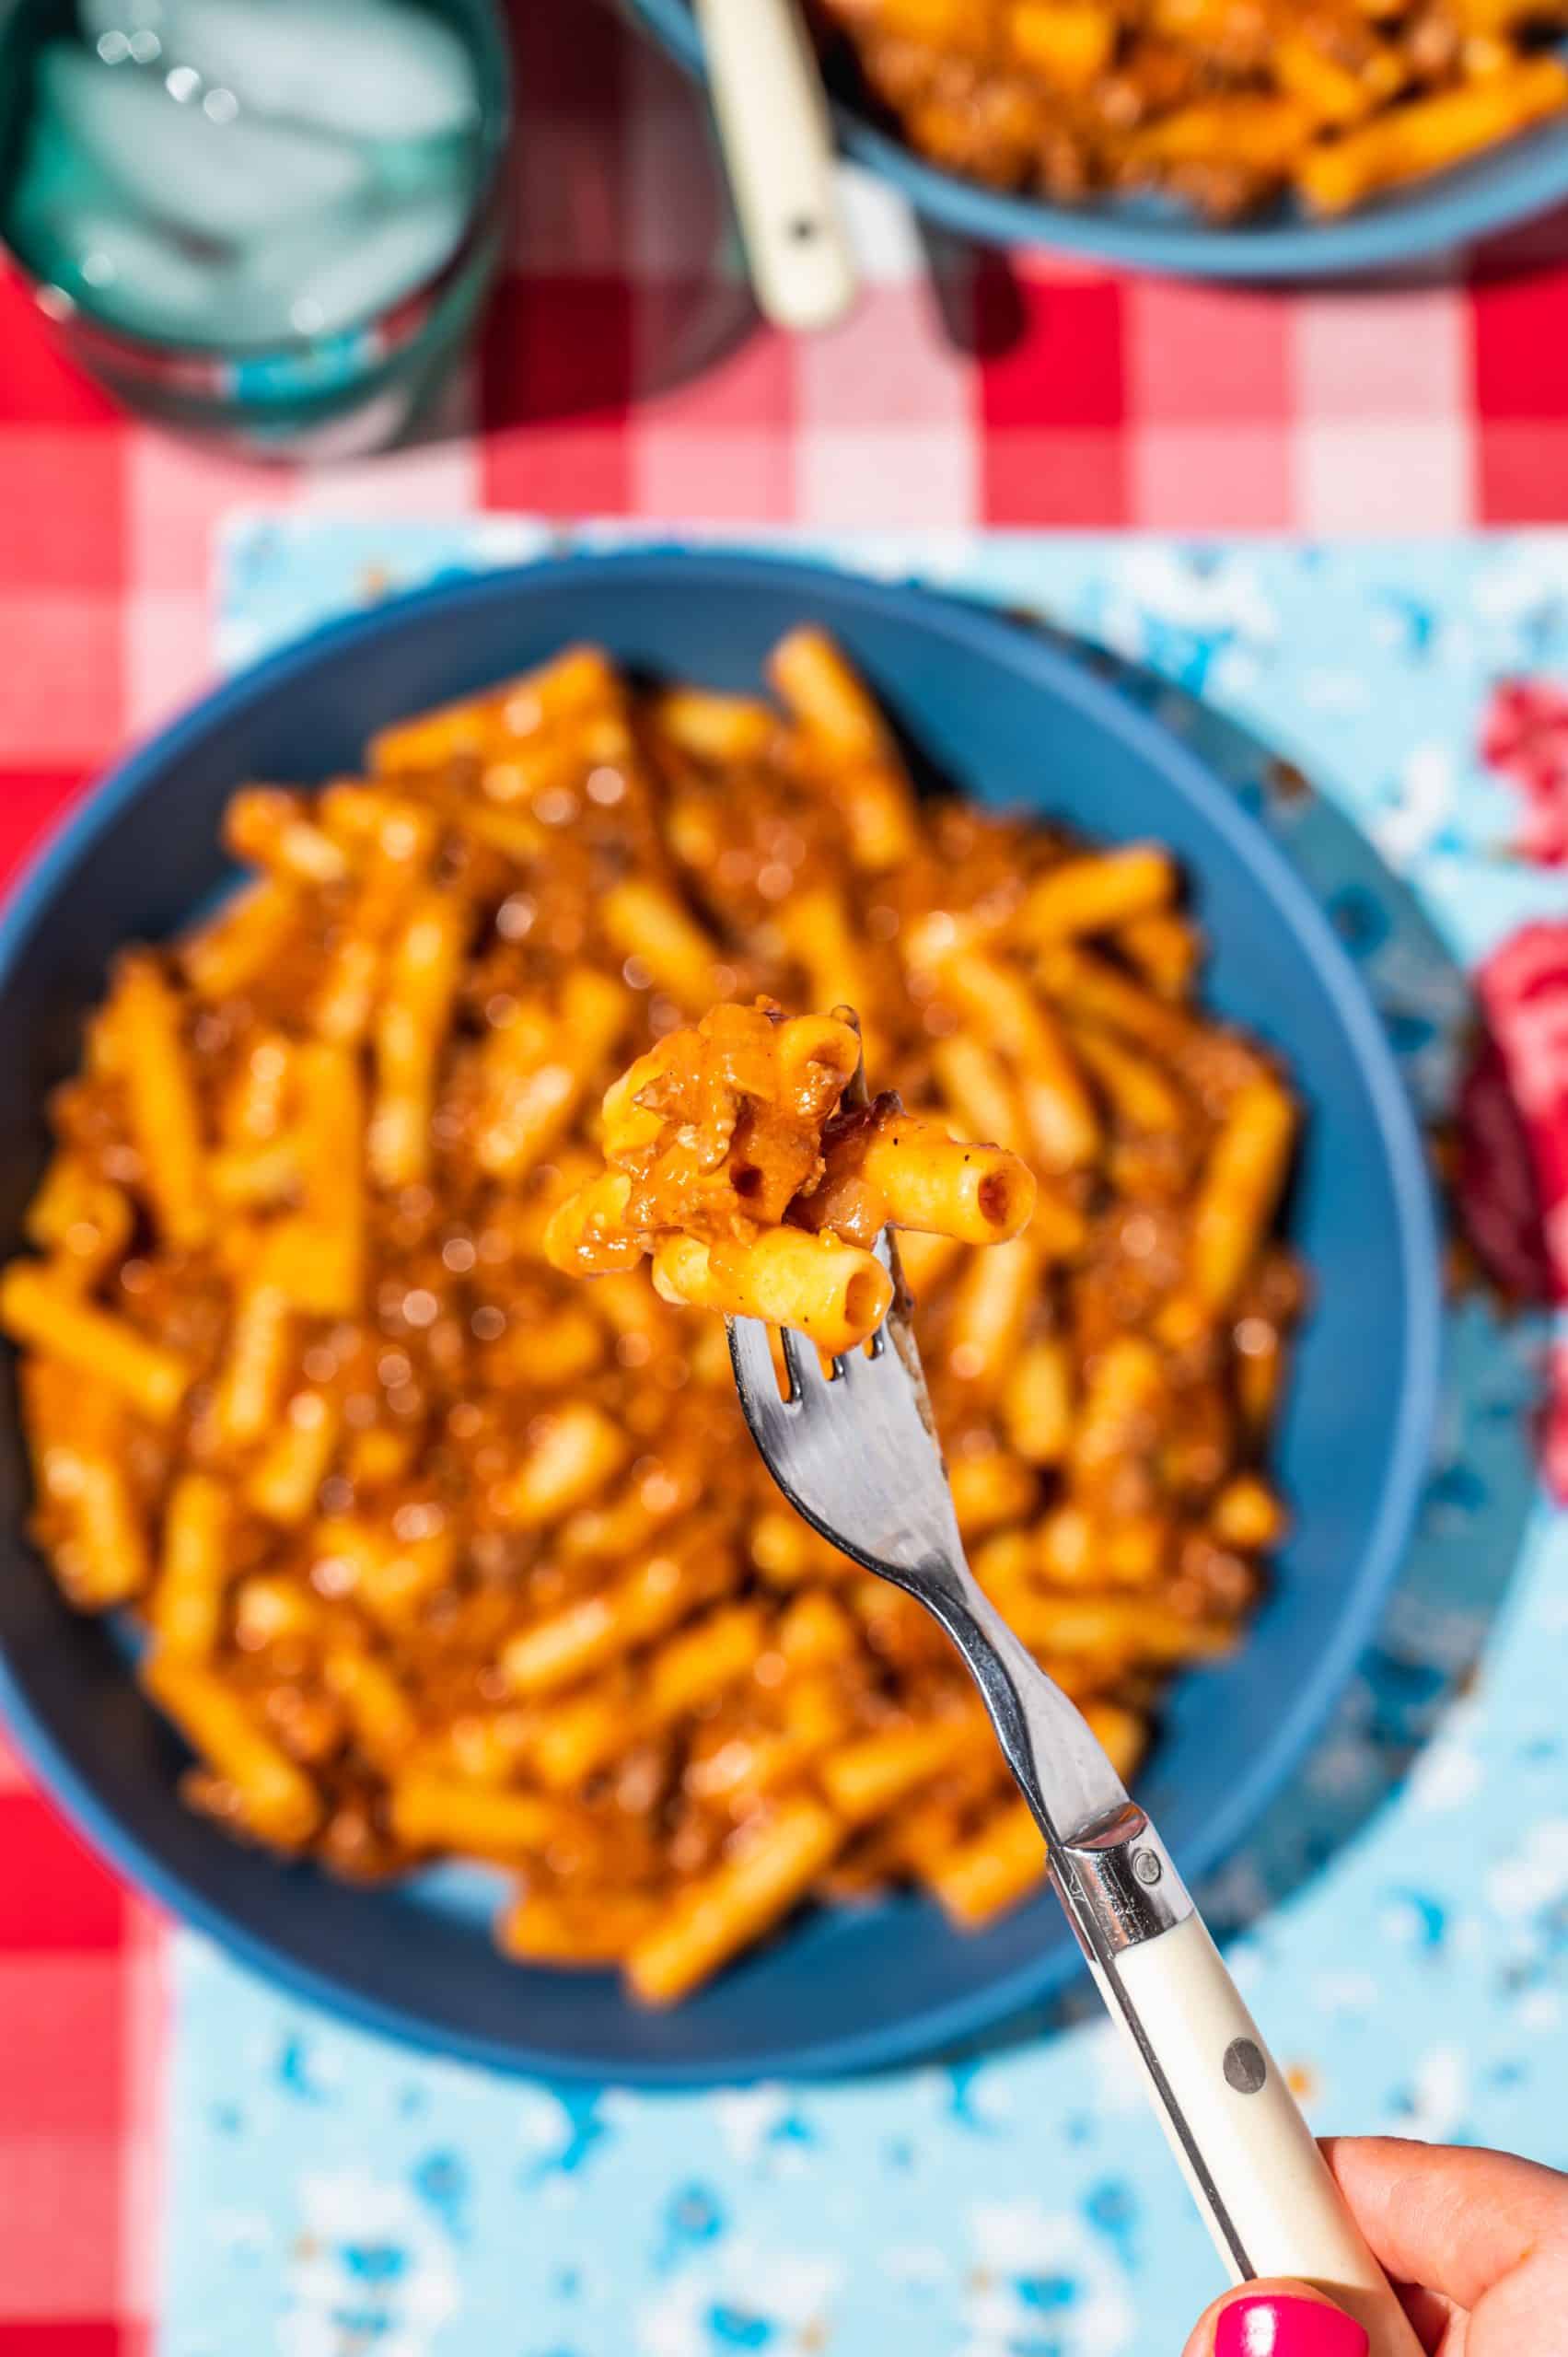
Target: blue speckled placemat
{"type": "Point", "coordinates": [333, 2196]}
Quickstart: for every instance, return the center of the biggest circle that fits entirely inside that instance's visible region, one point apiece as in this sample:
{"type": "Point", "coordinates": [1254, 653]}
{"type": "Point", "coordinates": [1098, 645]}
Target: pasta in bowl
{"type": "Point", "coordinates": [1217, 139]}
{"type": "Point", "coordinates": [430, 1548]}
{"type": "Point", "coordinates": [849, 1982]}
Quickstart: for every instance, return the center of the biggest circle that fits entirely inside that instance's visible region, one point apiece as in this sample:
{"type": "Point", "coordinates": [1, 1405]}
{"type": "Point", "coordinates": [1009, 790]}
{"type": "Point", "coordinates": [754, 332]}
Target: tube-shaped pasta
{"type": "Point", "coordinates": [693, 1667]}
{"type": "Point", "coordinates": [269, 1609]}
{"type": "Point", "coordinates": [820, 938]}
{"type": "Point", "coordinates": [1133, 1086]}
{"type": "Point", "coordinates": [989, 1490]}
{"type": "Point", "coordinates": [99, 1345]}
{"type": "Point", "coordinates": [977, 1088]}
{"type": "Point", "coordinates": [1093, 894]}
{"type": "Point", "coordinates": [1241, 1184]}
{"type": "Point", "coordinates": [317, 1258]}
{"type": "Point", "coordinates": [581, 1930]}
{"type": "Point", "coordinates": [401, 839]}
{"type": "Point", "coordinates": [982, 1195]}
{"type": "Point", "coordinates": [1057, 1105]}
{"type": "Point", "coordinates": [1335, 91]}
{"type": "Point", "coordinates": [94, 1522]}
{"type": "Point", "coordinates": [1036, 1402]}
{"type": "Point", "coordinates": [645, 921]}
{"type": "Point", "coordinates": [541, 1066]}
{"type": "Point", "coordinates": [1122, 1417]}
{"type": "Point", "coordinates": [284, 1482]}
{"type": "Point", "coordinates": [1069, 45]}
{"type": "Point", "coordinates": [1247, 1514]}
{"type": "Point", "coordinates": [279, 1803]}
{"type": "Point", "coordinates": [1429, 133]}
{"type": "Point", "coordinates": [376, 1700]}
{"type": "Point", "coordinates": [992, 1870]}
{"type": "Point", "coordinates": [1094, 988]}
{"type": "Point", "coordinates": [256, 1107]}
{"type": "Point", "coordinates": [1260, 131]}
{"type": "Point", "coordinates": [832, 706]}
{"type": "Point", "coordinates": [393, 1577]}
{"type": "Point", "coordinates": [577, 1454]}
{"type": "Point", "coordinates": [423, 971]}
{"type": "Point", "coordinates": [926, 1260]}
{"type": "Point", "coordinates": [254, 1178]}
{"type": "Point", "coordinates": [256, 1363]}
{"type": "Point", "coordinates": [165, 1117]}
{"type": "Point", "coordinates": [272, 827]}
{"type": "Point", "coordinates": [252, 934]}
{"type": "Point", "coordinates": [435, 1812]}
{"type": "Point", "coordinates": [587, 1636]}
{"type": "Point", "coordinates": [867, 1778]}
{"type": "Point", "coordinates": [578, 681]}
{"type": "Point", "coordinates": [991, 1308]}
{"type": "Point", "coordinates": [716, 728]}
{"type": "Point", "coordinates": [690, 1670]}
{"type": "Point", "coordinates": [822, 691]}
{"type": "Point", "coordinates": [1164, 949]}
{"type": "Point", "coordinates": [1114, 1629]}
{"type": "Point", "coordinates": [770, 1871]}
{"type": "Point", "coordinates": [612, 1533]}
{"type": "Point", "coordinates": [82, 1222]}
{"type": "Point", "coordinates": [833, 1293]}
{"type": "Point", "coordinates": [186, 1607]}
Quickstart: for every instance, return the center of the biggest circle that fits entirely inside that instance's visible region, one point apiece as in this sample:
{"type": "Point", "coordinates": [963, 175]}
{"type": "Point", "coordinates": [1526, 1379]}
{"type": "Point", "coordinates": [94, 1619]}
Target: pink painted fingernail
{"type": "Point", "coordinates": [1277, 2324]}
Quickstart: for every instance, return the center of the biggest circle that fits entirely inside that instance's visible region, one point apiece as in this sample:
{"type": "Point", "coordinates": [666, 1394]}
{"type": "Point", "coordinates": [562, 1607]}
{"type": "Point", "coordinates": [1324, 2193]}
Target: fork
{"type": "Point", "coordinates": [854, 1451]}
{"type": "Point", "coordinates": [778, 147]}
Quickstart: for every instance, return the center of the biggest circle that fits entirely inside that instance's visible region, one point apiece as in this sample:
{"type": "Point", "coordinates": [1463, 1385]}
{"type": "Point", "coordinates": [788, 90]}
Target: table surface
{"type": "Point", "coordinates": [622, 372]}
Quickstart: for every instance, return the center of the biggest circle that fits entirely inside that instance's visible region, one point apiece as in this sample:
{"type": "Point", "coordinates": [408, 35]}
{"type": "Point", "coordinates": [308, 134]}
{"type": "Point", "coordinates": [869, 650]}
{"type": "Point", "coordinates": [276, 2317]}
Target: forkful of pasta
{"type": "Point", "coordinates": [746, 1157]}
{"type": "Point", "coordinates": [733, 1162]}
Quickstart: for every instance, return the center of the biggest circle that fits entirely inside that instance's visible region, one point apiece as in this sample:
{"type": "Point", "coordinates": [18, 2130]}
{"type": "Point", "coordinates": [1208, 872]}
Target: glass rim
{"type": "Point", "coordinates": [152, 352]}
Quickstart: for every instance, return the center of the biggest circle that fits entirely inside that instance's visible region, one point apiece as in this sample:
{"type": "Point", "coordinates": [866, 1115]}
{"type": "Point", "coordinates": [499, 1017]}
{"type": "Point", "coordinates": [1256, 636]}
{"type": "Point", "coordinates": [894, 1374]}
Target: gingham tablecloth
{"type": "Point", "coordinates": [622, 373]}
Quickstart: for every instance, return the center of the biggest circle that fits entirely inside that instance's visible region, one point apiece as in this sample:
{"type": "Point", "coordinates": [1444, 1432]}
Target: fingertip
{"type": "Point", "coordinates": [1275, 2319]}
{"type": "Point", "coordinates": [1455, 2219]}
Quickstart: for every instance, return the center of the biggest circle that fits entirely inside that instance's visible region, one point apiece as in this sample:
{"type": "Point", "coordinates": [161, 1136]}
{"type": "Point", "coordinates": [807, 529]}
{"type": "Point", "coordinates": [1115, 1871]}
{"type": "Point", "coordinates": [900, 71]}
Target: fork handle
{"type": "Point", "coordinates": [778, 145]}
{"type": "Point", "coordinates": [1255, 2171]}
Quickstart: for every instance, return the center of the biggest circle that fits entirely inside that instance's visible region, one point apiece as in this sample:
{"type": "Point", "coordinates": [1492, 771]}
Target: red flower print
{"type": "Point", "coordinates": [1552, 1428]}
{"type": "Point", "coordinates": [1525, 739]}
{"type": "Point", "coordinates": [1523, 989]}
{"type": "Point", "coordinates": [1495, 1194]}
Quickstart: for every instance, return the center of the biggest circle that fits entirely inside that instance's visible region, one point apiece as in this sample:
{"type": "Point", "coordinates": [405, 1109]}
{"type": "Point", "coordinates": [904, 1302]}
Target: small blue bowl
{"type": "Point", "coordinates": [1011, 720]}
{"type": "Point", "coordinates": [1510, 182]}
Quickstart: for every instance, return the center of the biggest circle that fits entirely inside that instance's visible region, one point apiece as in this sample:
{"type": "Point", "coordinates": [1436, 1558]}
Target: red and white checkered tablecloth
{"type": "Point", "coordinates": [621, 372]}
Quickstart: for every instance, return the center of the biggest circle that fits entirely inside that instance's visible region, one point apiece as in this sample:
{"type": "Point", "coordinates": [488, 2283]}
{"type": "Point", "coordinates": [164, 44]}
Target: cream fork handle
{"type": "Point", "coordinates": [1244, 2132]}
{"type": "Point", "coordinates": [1264, 2190]}
{"type": "Point", "coordinates": [778, 145]}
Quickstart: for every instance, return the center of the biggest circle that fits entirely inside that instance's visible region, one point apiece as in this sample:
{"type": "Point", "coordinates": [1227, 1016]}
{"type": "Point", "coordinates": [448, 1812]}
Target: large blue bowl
{"type": "Point", "coordinates": [1010, 720]}
{"type": "Point", "coordinates": [1508, 183]}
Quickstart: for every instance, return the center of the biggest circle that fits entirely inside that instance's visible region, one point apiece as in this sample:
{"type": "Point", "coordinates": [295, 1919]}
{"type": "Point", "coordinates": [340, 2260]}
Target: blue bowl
{"type": "Point", "coordinates": [1509, 184]}
{"type": "Point", "coordinates": [1010, 720]}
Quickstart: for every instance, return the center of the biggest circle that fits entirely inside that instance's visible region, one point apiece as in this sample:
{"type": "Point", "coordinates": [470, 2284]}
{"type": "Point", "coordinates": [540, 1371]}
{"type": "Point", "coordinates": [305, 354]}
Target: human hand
{"type": "Point", "coordinates": [1477, 2242]}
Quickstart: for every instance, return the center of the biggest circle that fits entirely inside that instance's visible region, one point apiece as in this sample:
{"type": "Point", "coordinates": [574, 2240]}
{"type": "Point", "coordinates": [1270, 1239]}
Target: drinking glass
{"type": "Point", "coordinates": [271, 224]}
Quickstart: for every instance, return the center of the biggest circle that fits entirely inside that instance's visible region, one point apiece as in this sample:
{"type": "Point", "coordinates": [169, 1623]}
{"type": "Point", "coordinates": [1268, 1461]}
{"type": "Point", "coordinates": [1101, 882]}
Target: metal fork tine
{"type": "Point", "coordinates": [801, 1357]}
{"type": "Point", "coordinates": [751, 1356]}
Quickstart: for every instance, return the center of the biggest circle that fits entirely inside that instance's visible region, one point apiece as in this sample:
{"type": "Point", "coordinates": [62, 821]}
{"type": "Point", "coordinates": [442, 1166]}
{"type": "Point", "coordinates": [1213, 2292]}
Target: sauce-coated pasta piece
{"type": "Point", "coordinates": [736, 1163]}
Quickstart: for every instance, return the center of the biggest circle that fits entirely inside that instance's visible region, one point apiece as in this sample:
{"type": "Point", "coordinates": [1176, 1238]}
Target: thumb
{"type": "Point", "coordinates": [1276, 2319]}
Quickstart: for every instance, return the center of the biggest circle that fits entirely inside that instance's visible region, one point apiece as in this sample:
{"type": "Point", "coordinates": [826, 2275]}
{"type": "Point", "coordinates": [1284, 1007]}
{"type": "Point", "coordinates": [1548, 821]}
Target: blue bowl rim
{"type": "Point", "coordinates": [1502, 186]}
{"type": "Point", "coordinates": [983, 631]}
